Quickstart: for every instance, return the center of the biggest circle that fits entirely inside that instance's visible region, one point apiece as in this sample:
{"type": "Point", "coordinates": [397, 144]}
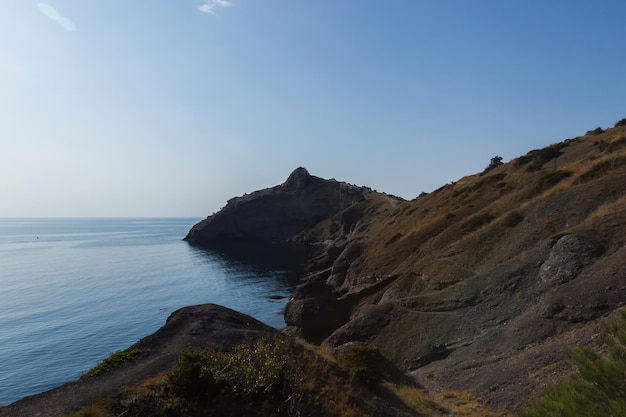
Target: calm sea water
{"type": "Point", "coordinates": [74, 290]}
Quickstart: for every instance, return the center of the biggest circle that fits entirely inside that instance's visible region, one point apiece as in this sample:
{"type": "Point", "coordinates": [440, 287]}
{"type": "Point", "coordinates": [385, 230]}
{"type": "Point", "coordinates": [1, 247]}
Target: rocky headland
{"type": "Point", "coordinates": [478, 287]}
{"type": "Point", "coordinates": [303, 209]}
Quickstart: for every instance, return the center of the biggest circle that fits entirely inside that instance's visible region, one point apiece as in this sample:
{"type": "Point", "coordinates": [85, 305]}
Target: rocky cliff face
{"type": "Point", "coordinates": [484, 283]}
{"type": "Point", "coordinates": [304, 208]}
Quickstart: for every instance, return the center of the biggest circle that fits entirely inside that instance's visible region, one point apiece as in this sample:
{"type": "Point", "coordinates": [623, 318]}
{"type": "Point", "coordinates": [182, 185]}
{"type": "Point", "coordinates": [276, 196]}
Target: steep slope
{"type": "Point", "coordinates": [483, 283]}
{"type": "Point", "coordinates": [304, 208]}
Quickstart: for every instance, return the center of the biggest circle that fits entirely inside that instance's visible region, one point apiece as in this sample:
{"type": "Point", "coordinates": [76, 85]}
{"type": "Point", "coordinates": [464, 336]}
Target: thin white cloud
{"type": "Point", "coordinates": [51, 12]}
{"type": "Point", "coordinates": [210, 5]}
{"type": "Point", "coordinates": [223, 3]}
{"type": "Point", "coordinates": [206, 8]}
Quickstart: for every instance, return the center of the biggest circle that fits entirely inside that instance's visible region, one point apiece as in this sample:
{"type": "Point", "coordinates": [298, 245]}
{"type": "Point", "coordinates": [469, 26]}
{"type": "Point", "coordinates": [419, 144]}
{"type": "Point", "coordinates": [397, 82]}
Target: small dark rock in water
{"type": "Point", "coordinates": [276, 297]}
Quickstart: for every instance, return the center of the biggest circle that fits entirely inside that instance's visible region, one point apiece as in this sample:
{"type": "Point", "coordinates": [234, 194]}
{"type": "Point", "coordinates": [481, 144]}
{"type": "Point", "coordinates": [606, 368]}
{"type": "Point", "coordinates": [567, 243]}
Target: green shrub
{"type": "Point", "coordinates": [364, 363]}
{"type": "Point", "coordinates": [114, 360]}
{"type": "Point", "coordinates": [599, 386]}
{"type": "Point", "coordinates": [247, 369]}
{"type": "Point", "coordinates": [495, 162]}
{"type": "Point", "coordinates": [620, 123]}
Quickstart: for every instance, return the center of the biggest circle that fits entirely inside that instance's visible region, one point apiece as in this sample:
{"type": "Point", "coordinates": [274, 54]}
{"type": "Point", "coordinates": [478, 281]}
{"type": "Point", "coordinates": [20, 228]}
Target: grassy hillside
{"type": "Point", "coordinates": [482, 284]}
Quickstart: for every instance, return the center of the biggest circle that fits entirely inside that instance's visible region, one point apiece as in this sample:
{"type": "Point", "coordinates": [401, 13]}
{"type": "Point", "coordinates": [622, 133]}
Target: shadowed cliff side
{"type": "Point", "coordinates": [290, 212]}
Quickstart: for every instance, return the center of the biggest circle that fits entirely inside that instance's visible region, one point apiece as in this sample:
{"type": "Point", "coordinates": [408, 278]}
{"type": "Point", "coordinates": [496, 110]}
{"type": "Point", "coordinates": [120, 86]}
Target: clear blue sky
{"type": "Point", "coordinates": [171, 107]}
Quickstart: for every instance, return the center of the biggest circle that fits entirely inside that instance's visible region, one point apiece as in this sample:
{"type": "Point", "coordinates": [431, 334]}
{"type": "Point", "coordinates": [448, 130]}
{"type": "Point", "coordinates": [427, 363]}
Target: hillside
{"type": "Point", "coordinates": [482, 284]}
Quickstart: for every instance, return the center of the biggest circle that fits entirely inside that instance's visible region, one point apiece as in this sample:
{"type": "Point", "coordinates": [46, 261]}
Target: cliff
{"type": "Point", "coordinates": [296, 211]}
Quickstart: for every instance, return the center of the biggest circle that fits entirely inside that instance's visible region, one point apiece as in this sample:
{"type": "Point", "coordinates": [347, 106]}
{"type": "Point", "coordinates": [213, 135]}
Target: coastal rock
{"type": "Point", "coordinates": [195, 327]}
{"type": "Point", "coordinates": [290, 211]}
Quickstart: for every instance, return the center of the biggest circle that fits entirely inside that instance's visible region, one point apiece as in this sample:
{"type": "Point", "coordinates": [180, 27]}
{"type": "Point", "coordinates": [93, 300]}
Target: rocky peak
{"type": "Point", "coordinates": [298, 178]}
{"type": "Point", "coordinates": [285, 212]}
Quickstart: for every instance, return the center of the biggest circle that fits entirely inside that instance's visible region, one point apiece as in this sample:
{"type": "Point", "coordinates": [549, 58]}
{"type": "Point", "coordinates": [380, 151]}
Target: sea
{"type": "Point", "coordinates": [72, 291]}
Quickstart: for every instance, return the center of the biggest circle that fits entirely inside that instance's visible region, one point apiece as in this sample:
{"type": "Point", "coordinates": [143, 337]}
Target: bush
{"type": "Point", "coordinates": [599, 386]}
{"type": "Point", "coordinates": [620, 123]}
{"type": "Point", "coordinates": [539, 157]}
{"type": "Point", "coordinates": [496, 161]}
{"type": "Point", "coordinates": [364, 363]}
{"type": "Point", "coordinates": [595, 131]}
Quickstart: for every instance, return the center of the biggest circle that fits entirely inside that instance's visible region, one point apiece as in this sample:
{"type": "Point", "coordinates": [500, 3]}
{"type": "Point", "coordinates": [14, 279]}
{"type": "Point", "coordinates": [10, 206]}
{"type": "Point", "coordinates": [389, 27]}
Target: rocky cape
{"type": "Point", "coordinates": [303, 209]}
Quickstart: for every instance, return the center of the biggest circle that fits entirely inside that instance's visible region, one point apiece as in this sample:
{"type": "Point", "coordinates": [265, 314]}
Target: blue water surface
{"type": "Point", "coordinates": [74, 290]}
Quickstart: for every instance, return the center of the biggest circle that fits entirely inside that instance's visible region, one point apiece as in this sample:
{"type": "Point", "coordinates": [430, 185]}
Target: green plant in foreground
{"type": "Point", "coordinates": [114, 360]}
{"type": "Point", "coordinates": [599, 386]}
{"type": "Point", "coordinates": [364, 362]}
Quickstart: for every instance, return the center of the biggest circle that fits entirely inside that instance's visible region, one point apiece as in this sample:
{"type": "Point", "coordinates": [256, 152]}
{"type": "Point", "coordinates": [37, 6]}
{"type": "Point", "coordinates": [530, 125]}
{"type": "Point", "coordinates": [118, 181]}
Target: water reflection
{"type": "Point", "coordinates": [281, 263]}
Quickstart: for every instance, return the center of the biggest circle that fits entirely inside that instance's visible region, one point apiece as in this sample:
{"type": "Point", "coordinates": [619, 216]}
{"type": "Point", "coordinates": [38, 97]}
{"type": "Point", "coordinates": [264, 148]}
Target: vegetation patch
{"type": "Point", "coordinates": [610, 147]}
{"type": "Point", "coordinates": [551, 179]}
{"type": "Point", "coordinates": [601, 168]}
{"type": "Point", "coordinates": [114, 360]}
{"type": "Point", "coordinates": [512, 219]}
{"type": "Point", "coordinates": [598, 388]}
{"type": "Point", "coordinates": [495, 162]}
{"type": "Point", "coordinates": [267, 377]}
{"type": "Point", "coordinates": [92, 411]}
{"type": "Point", "coordinates": [477, 221]}
{"type": "Point", "coordinates": [393, 239]}
{"type": "Point", "coordinates": [364, 363]}
{"type": "Point", "coordinates": [620, 123]}
{"type": "Point", "coordinates": [596, 131]}
{"type": "Point", "coordinates": [538, 157]}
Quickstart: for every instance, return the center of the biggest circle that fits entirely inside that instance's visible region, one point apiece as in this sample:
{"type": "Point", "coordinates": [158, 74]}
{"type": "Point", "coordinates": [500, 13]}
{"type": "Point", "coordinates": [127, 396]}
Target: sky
{"type": "Point", "coordinates": [171, 107]}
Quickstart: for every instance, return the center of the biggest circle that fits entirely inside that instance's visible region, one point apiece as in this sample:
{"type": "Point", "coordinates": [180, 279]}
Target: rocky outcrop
{"type": "Point", "coordinates": [567, 258]}
{"type": "Point", "coordinates": [195, 327]}
{"type": "Point", "coordinates": [291, 211]}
